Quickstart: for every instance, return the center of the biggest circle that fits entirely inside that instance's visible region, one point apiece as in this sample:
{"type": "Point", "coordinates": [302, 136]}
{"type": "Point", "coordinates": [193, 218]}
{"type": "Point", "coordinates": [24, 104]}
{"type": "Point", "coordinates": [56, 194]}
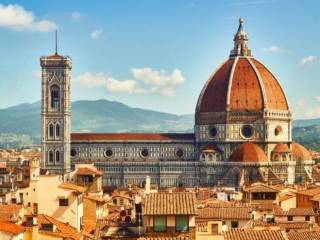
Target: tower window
{"type": "Point", "coordinates": [51, 131]}
{"type": "Point", "coordinates": [51, 156]}
{"type": "Point", "coordinates": [55, 97]}
{"type": "Point", "coordinates": [57, 130]}
{"type": "Point", "coordinates": [57, 156]}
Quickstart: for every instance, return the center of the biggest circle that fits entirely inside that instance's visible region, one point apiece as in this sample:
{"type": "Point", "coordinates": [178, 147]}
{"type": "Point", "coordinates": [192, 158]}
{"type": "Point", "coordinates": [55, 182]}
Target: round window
{"type": "Point", "coordinates": [179, 153]}
{"type": "Point", "coordinates": [144, 152]}
{"type": "Point", "coordinates": [108, 153]}
{"type": "Point", "coordinates": [247, 131]}
{"type": "Point", "coordinates": [213, 132]}
{"type": "Point", "coordinates": [277, 131]}
{"type": "Point", "coordinates": [73, 152]}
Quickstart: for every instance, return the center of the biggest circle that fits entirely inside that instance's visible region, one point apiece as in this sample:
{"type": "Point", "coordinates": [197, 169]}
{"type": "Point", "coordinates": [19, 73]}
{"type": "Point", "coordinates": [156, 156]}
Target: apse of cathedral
{"type": "Point", "coordinates": [242, 132]}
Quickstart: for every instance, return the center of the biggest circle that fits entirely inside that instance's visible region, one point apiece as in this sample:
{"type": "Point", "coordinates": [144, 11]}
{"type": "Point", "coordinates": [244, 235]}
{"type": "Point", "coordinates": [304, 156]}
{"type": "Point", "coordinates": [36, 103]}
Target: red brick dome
{"type": "Point", "coordinates": [248, 152]}
{"type": "Point", "coordinates": [242, 83]}
{"type": "Point", "coordinates": [281, 148]}
{"type": "Point", "coordinates": [299, 152]}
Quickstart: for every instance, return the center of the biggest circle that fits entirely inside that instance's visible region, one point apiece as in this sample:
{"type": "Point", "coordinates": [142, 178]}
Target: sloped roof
{"type": "Point", "coordinates": [222, 213]}
{"type": "Point", "coordinates": [131, 136]}
{"type": "Point", "coordinates": [245, 234]}
{"type": "Point", "coordinates": [170, 204]}
{"type": "Point", "coordinates": [88, 171]}
{"type": "Point", "coordinates": [62, 229]}
{"type": "Point", "coordinates": [299, 152]}
{"type": "Point", "coordinates": [11, 228]}
{"type": "Point", "coordinates": [306, 235]}
{"type": "Point", "coordinates": [8, 211]}
{"type": "Point", "coordinates": [73, 187]}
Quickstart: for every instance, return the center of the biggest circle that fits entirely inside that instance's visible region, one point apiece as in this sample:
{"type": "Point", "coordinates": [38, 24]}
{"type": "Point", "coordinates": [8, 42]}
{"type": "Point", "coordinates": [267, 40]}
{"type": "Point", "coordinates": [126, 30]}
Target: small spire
{"type": "Point", "coordinates": [56, 42]}
{"type": "Point", "coordinates": [240, 42]}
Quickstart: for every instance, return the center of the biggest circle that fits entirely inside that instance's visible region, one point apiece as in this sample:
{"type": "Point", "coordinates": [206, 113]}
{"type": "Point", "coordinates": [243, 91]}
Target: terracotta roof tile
{"type": "Point", "coordinates": [11, 228]}
{"type": "Point", "coordinates": [88, 171]}
{"type": "Point", "coordinates": [62, 229]}
{"type": "Point", "coordinates": [73, 187]}
{"type": "Point", "coordinates": [170, 204]}
{"type": "Point", "coordinates": [244, 234]}
{"type": "Point", "coordinates": [7, 212]}
{"type": "Point", "coordinates": [225, 213]}
{"type": "Point", "coordinates": [310, 191]}
{"type": "Point", "coordinates": [307, 235]}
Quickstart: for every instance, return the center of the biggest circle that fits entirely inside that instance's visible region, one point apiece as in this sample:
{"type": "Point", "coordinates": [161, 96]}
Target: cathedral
{"type": "Point", "coordinates": [242, 132]}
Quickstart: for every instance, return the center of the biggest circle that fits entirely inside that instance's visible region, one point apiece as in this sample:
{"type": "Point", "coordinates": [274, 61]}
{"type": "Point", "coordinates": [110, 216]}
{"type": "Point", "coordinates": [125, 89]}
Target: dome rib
{"type": "Point", "coordinates": [265, 100]}
{"type": "Point", "coordinates": [230, 81]}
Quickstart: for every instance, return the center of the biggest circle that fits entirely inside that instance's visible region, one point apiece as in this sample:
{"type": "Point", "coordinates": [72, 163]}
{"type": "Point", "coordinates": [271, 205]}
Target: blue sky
{"type": "Point", "coordinates": [158, 54]}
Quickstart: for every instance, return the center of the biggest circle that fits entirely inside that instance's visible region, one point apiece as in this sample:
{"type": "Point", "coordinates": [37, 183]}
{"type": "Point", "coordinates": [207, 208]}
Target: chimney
{"type": "Point", "coordinates": [148, 183]}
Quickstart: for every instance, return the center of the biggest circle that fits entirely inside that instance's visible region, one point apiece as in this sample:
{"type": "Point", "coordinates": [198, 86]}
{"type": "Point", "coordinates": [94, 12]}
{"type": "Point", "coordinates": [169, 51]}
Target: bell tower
{"type": "Point", "coordinates": [55, 112]}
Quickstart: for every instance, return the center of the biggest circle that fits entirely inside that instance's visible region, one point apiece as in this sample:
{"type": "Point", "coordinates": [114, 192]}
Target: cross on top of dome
{"type": "Point", "coordinates": [240, 42]}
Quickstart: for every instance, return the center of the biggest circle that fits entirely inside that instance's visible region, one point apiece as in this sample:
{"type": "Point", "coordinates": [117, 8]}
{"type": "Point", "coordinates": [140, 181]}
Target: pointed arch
{"type": "Point", "coordinates": [51, 130]}
{"type": "Point", "coordinates": [57, 130]}
{"type": "Point", "coordinates": [55, 96]}
{"type": "Point", "coordinates": [51, 156]}
{"type": "Point", "coordinates": [57, 156]}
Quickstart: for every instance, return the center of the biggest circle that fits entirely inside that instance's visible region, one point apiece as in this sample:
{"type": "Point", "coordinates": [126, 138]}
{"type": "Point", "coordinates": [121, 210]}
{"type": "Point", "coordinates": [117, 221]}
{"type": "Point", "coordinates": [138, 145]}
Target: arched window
{"type": "Point", "coordinates": [51, 156]}
{"type": "Point", "coordinates": [57, 130]}
{"type": "Point", "coordinates": [55, 97]}
{"type": "Point", "coordinates": [51, 131]}
{"type": "Point", "coordinates": [57, 156]}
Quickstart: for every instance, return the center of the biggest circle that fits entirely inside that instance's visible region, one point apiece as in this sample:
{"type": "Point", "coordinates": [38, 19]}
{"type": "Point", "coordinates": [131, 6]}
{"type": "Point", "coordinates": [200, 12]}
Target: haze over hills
{"type": "Point", "coordinates": [20, 125]}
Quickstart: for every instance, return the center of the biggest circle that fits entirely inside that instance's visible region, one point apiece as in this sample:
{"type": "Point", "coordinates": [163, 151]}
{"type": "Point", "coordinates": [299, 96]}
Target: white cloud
{"type": "Point", "coordinates": [95, 34]}
{"type": "Point", "coordinates": [75, 16]}
{"type": "Point", "coordinates": [145, 80]}
{"type": "Point", "coordinates": [162, 82]}
{"type": "Point", "coordinates": [271, 49]}
{"type": "Point", "coordinates": [301, 110]}
{"type": "Point", "coordinates": [308, 60]}
{"type": "Point", "coordinates": [17, 18]}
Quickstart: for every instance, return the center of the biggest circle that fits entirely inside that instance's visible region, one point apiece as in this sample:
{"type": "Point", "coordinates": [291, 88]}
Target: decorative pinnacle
{"type": "Point", "coordinates": [240, 42]}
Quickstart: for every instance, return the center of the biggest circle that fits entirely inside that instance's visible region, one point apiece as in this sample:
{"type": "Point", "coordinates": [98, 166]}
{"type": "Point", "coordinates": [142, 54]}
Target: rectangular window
{"type": "Point", "coordinates": [307, 218]}
{"type": "Point", "coordinates": [290, 218]}
{"type": "Point", "coordinates": [159, 223]}
{"type": "Point", "coordinates": [63, 202]}
{"type": "Point", "coordinates": [182, 223]}
{"type": "Point", "coordinates": [47, 227]}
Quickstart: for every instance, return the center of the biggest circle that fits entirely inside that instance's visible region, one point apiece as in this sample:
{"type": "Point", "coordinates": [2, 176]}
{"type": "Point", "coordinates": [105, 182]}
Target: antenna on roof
{"type": "Point", "coordinates": [56, 42]}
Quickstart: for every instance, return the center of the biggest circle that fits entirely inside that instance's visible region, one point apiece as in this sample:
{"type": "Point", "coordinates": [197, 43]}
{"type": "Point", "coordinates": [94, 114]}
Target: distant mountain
{"type": "Point", "coordinates": [91, 116]}
{"type": "Point", "coordinates": [20, 125]}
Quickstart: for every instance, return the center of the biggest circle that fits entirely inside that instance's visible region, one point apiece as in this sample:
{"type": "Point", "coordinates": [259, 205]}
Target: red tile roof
{"type": "Point", "coordinates": [307, 235]}
{"type": "Point", "coordinates": [248, 152]}
{"type": "Point", "coordinates": [131, 136]}
{"type": "Point", "coordinates": [8, 212]}
{"type": "Point", "coordinates": [170, 204]}
{"type": "Point", "coordinates": [244, 234]}
{"type": "Point", "coordinates": [88, 171]}
{"type": "Point", "coordinates": [223, 213]}
{"type": "Point", "coordinates": [73, 187]}
{"type": "Point", "coordinates": [11, 228]}
{"type": "Point", "coordinates": [62, 229]}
